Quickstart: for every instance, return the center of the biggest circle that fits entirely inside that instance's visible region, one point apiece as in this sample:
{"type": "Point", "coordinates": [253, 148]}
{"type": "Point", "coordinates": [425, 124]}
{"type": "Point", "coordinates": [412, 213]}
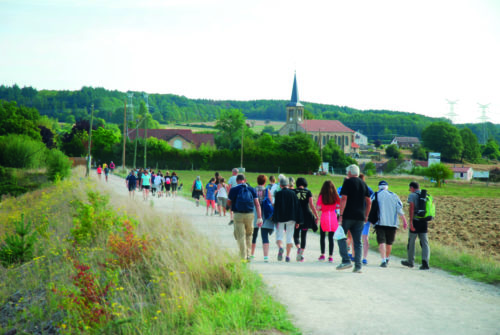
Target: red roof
{"type": "Point", "coordinates": [460, 169]}
{"type": "Point", "coordinates": [354, 145]}
{"type": "Point", "coordinates": [421, 163]}
{"type": "Point", "coordinates": [167, 134]}
{"type": "Point", "coordinates": [331, 126]}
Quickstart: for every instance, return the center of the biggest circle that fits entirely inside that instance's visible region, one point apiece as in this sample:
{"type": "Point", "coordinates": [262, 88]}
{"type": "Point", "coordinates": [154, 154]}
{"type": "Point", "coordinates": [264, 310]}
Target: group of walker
{"type": "Point", "coordinates": [146, 180]}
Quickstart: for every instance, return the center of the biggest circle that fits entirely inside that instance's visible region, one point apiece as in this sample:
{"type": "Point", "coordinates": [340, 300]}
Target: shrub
{"type": "Point", "coordinates": [127, 247]}
{"type": "Point", "coordinates": [439, 172]}
{"type": "Point", "coordinates": [21, 151]}
{"type": "Point", "coordinates": [58, 165]}
{"type": "Point", "coordinates": [370, 169]}
{"type": "Point", "coordinates": [18, 248]}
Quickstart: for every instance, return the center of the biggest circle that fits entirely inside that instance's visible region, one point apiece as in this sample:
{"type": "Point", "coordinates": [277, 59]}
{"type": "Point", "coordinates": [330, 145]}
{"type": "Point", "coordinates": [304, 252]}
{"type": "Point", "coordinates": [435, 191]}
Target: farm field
{"type": "Point", "coordinates": [467, 215]}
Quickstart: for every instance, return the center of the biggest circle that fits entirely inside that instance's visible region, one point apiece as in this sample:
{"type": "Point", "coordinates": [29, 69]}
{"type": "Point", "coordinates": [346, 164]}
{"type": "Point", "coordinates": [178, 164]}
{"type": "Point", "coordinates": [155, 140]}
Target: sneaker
{"type": "Point", "coordinates": [299, 254]}
{"type": "Point", "coordinates": [365, 261]}
{"type": "Point", "coordinates": [343, 266]}
{"type": "Point", "coordinates": [287, 259]}
{"type": "Point", "coordinates": [357, 270]}
{"type": "Point", "coordinates": [387, 260]}
{"type": "Point", "coordinates": [383, 264]}
{"type": "Point", "coordinates": [280, 254]}
{"type": "Point", "coordinates": [266, 259]}
{"type": "Point", "coordinates": [321, 258]}
{"type": "Point", "coordinates": [252, 256]}
{"type": "Point", "coordinates": [302, 259]}
{"type": "Point", "coordinates": [425, 266]}
{"type": "Point", "coordinates": [406, 263]}
{"type": "Point", "coordinates": [351, 257]}
{"type": "Point", "coordinates": [330, 259]}
{"type": "Point", "coordinates": [230, 222]}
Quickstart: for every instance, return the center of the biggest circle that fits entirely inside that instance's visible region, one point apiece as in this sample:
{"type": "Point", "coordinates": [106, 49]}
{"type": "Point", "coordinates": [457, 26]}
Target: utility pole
{"type": "Point", "coordinates": [146, 130]}
{"type": "Point", "coordinates": [136, 138]}
{"type": "Point", "coordinates": [242, 132]}
{"type": "Point", "coordinates": [124, 133]}
{"type": "Point", "coordinates": [87, 174]}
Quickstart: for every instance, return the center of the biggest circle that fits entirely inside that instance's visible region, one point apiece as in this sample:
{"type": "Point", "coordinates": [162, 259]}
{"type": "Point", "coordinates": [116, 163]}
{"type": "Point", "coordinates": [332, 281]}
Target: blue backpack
{"type": "Point", "coordinates": [267, 207]}
{"type": "Point", "coordinates": [244, 200]}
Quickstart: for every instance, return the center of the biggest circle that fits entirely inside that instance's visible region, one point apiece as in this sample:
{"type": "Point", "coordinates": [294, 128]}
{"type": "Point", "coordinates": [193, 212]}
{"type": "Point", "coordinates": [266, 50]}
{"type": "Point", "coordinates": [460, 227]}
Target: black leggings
{"type": "Point", "coordinates": [264, 233]}
{"type": "Point", "coordinates": [303, 235]}
{"type": "Point", "coordinates": [322, 236]}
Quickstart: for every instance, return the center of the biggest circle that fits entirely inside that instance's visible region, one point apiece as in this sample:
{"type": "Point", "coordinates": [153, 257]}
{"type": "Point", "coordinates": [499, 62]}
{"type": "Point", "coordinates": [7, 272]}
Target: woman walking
{"type": "Point", "coordinates": [267, 227]}
{"type": "Point", "coordinates": [327, 203]}
{"type": "Point", "coordinates": [222, 192]}
{"type": "Point", "coordinates": [197, 190]}
{"type": "Point", "coordinates": [146, 184]}
{"type": "Point", "coordinates": [174, 181]}
{"type": "Point", "coordinates": [310, 217]}
{"type": "Point", "coordinates": [210, 189]}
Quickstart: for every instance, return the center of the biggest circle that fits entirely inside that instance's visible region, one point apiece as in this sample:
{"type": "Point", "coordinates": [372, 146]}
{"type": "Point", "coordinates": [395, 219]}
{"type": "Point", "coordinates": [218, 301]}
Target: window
{"type": "Point", "coordinates": [178, 144]}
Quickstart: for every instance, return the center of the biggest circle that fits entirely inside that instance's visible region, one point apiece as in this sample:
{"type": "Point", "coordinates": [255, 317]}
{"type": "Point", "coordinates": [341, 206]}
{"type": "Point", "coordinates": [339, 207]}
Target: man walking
{"type": "Point", "coordinates": [389, 208]}
{"type": "Point", "coordinates": [287, 213]}
{"type": "Point", "coordinates": [232, 183]}
{"type": "Point", "coordinates": [418, 228]}
{"type": "Point", "coordinates": [355, 205]}
{"type": "Point", "coordinates": [242, 199]}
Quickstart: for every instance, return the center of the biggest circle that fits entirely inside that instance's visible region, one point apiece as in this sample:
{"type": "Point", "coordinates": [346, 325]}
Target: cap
{"type": "Point", "coordinates": [383, 183]}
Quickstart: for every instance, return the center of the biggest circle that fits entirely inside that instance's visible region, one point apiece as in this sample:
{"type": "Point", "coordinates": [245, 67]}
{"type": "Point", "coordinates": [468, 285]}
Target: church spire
{"type": "Point", "coordinates": [294, 101]}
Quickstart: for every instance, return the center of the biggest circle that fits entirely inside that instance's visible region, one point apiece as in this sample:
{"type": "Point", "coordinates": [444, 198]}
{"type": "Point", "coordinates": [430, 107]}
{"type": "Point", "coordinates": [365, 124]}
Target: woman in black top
{"type": "Point", "coordinates": [310, 217]}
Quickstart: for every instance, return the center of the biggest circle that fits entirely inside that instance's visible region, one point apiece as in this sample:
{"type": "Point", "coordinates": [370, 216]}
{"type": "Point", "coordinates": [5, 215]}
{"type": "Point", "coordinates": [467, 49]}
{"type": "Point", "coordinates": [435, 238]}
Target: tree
{"type": "Point", "coordinates": [439, 172]}
{"type": "Point", "coordinates": [16, 119]}
{"type": "Point", "coordinates": [491, 149]}
{"type": "Point", "coordinates": [370, 169]}
{"type": "Point", "coordinates": [229, 124]}
{"type": "Point", "coordinates": [444, 138]}
{"type": "Point", "coordinates": [471, 151]}
{"type": "Point", "coordinates": [334, 155]}
{"type": "Point", "coordinates": [418, 152]}
{"type": "Point", "coordinates": [392, 151]}
{"type": "Point", "coordinates": [103, 141]}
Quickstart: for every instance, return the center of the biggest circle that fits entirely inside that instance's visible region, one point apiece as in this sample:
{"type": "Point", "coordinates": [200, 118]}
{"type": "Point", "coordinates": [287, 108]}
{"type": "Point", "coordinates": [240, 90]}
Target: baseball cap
{"type": "Point", "coordinates": [383, 183]}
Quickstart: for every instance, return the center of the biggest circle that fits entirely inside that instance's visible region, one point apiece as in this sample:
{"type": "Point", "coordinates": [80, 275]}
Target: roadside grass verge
{"type": "Point", "coordinates": [138, 273]}
{"type": "Point", "coordinates": [475, 266]}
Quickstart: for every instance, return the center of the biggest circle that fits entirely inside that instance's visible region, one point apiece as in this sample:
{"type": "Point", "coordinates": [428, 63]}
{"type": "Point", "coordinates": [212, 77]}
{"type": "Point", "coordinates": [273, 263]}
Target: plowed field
{"type": "Point", "coordinates": [472, 224]}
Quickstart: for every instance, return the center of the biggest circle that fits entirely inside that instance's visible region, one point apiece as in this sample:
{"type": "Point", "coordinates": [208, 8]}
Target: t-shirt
{"type": "Point", "coordinates": [232, 181]}
{"type": "Point", "coordinates": [304, 195]}
{"type": "Point", "coordinates": [420, 226]}
{"type": "Point", "coordinates": [174, 179]}
{"type": "Point", "coordinates": [211, 187]}
{"type": "Point", "coordinates": [146, 179]}
{"type": "Point", "coordinates": [222, 193]}
{"type": "Point", "coordinates": [413, 198]}
{"type": "Point", "coordinates": [132, 180]}
{"type": "Point", "coordinates": [233, 193]}
{"type": "Point", "coordinates": [389, 208]}
{"type": "Point", "coordinates": [356, 190]}
{"type": "Point", "coordinates": [158, 180]}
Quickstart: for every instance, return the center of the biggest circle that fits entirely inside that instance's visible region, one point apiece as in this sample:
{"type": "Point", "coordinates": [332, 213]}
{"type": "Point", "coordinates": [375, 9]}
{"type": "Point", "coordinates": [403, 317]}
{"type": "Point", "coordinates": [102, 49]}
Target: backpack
{"type": "Point", "coordinates": [267, 207]}
{"type": "Point", "coordinates": [167, 180]}
{"type": "Point", "coordinates": [198, 186]}
{"type": "Point", "coordinates": [174, 180]}
{"type": "Point", "coordinates": [374, 214]}
{"type": "Point", "coordinates": [426, 210]}
{"type": "Point", "coordinates": [244, 200]}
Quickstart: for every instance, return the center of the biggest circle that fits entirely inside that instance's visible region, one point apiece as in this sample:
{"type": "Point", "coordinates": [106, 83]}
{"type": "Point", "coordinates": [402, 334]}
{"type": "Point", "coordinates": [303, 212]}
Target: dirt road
{"type": "Point", "coordinates": [321, 300]}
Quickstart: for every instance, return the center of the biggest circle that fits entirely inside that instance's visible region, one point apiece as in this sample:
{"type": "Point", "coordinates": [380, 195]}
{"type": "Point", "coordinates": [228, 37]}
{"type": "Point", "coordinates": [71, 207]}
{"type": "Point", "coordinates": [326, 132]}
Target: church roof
{"type": "Point", "coordinates": [294, 101]}
{"type": "Point", "coordinates": [330, 126]}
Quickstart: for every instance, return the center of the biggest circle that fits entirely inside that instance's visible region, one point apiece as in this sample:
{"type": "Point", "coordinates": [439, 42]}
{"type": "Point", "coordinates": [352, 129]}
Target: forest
{"type": "Point", "coordinates": [70, 106]}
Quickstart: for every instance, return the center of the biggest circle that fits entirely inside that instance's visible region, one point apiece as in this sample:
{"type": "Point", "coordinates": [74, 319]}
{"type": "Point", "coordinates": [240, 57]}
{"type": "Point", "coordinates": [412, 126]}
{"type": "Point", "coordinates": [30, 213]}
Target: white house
{"type": "Point", "coordinates": [464, 173]}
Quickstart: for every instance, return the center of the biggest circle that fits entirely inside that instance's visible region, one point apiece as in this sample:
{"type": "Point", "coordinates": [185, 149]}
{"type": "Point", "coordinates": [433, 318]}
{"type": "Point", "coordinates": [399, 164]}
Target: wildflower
{"type": "Point", "coordinates": [158, 311]}
{"type": "Point", "coordinates": [162, 294]}
{"type": "Point", "coordinates": [63, 326]}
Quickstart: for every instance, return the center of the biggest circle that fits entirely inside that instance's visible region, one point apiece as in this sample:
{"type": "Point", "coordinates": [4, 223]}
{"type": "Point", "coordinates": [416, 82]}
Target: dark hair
{"type": "Point", "coordinates": [272, 179]}
{"type": "Point", "coordinates": [261, 179]}
{"type": "Point", "coordinates": [212, 179]}
{"type": "Point", "coordinates": [361, 176]}
{"type": "Point", "coordinates": [240, 177]}
{"type": "Point", "coordinates": [415, 185]}
{"type": "Point", "coordinates": [301, 181]}
{"type": "Point", "coordinates": [329, 195]}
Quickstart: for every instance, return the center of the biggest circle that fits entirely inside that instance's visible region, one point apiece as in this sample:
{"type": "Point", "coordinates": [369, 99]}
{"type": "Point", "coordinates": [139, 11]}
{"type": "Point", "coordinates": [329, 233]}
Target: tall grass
{"type": "Point", "coordinates": [181, 285]}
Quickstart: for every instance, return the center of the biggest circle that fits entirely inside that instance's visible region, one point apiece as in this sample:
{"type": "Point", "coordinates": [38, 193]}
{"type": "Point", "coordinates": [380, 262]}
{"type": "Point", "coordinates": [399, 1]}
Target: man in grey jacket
{"type": "Point", "coordinates": [389, 207]}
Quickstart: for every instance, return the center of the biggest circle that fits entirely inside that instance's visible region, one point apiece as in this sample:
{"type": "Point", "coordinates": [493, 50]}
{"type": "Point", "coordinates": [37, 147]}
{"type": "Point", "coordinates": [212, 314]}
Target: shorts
{"type": "Point", "coordinates": [174, 187]}
{"type": "Point", "coordinates": [222, 202]}
{"type": "Point", "coordinates": [280, 231]}
{"type": "Point", "coordinates": [385, 234]}
{"type": "Point", "coordinates": [145, 187]}
{"type": "Point", "coordinates": [211, 203]}
{"type": "Point", "coordinates": [366, 229]}
{"type": "Point", "coordinates": [167, 187]}
{"type": "Point", "coordinates": [131, 188]}
{"type": "Point", "coordinates": [196, 194]}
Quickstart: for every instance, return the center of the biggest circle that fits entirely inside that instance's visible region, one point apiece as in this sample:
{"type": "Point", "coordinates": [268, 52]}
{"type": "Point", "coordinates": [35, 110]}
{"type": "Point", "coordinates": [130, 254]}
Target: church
{"type": "Point", "coordinates": [321, 131]}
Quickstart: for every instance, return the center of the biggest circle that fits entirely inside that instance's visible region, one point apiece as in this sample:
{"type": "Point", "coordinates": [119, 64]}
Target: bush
{"type": "Point", "coordinates": [439, 172]}
{"type": "Point", "coordinates": [370, 169]}
{"type": "Point", "coordinates": [21, 151]}
{"type": "Point", "coordinates": [58, 165]}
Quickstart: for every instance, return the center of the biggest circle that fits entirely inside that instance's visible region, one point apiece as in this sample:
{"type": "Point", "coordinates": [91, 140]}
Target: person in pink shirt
{"type": "Point", "coordinates": [327, 204]}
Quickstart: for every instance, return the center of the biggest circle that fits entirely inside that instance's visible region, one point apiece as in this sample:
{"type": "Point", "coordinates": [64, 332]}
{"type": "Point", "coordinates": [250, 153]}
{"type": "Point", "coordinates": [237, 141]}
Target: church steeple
{"type": "Point", "coordinates": [294, 101]}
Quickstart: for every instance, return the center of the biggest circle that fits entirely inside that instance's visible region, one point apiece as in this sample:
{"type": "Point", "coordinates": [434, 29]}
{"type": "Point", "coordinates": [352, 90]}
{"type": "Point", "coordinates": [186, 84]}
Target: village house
{"type": "Point", "coordinates": [464, 173]}
{"type": "Point", "coordinates": [176, 138]}
{"type": "Point", "coordinates": [406, 142]}
{"type": "Point", "coordinates": [321, 131]}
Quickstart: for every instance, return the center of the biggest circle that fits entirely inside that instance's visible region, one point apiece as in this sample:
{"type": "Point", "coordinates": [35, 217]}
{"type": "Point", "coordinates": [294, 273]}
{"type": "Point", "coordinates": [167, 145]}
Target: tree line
{"type": "Point", "coordinates": [70, 106]}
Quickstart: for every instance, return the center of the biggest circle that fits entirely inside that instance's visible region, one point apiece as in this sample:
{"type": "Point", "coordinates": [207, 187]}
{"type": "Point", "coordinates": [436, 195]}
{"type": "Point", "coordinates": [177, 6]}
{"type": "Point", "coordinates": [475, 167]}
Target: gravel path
{"type": "Point", "coordinates": [321, 300]}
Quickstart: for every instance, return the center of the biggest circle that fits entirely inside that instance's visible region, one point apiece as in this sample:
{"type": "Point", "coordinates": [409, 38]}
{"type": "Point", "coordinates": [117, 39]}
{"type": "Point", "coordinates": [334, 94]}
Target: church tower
{"type": "Point", "coordinates": [294, 110]}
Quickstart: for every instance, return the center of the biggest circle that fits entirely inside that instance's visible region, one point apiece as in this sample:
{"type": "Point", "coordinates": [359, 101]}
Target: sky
{"type": "Point", "coordinates": [401, 55]}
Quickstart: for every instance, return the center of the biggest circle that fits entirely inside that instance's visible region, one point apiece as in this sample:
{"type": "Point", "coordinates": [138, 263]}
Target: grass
{"type": "Point", "coordinates": [181, 285]}
{"type": "Point", "coordinates": [474, 266]}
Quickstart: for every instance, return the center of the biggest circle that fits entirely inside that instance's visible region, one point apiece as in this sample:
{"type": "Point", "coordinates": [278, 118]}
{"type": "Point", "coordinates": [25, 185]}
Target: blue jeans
{"type": "Point", "coordinates": [356, 228]}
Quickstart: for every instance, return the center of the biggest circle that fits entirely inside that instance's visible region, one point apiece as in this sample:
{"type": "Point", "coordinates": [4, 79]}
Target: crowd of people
{"type": "Point", "coordinates": [287, 207]}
